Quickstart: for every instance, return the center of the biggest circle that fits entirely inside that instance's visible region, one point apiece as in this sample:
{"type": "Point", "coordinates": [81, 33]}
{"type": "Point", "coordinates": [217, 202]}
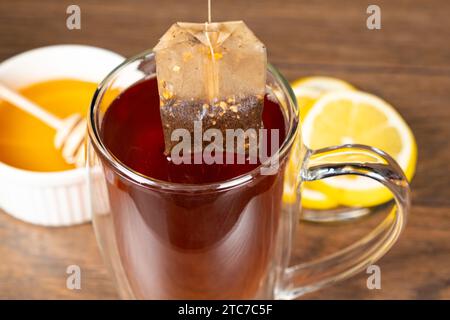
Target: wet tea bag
{"type": "Point", "coordinates": [210, 72]}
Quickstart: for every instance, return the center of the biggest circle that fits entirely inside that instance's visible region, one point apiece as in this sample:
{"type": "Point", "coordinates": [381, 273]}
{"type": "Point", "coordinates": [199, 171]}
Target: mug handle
{"type": "Point", "coordinates": [357, 160]}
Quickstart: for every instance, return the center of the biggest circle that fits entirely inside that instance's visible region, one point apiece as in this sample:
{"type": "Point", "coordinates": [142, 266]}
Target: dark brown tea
{"type": "Point", "coordinates": [209, 244]}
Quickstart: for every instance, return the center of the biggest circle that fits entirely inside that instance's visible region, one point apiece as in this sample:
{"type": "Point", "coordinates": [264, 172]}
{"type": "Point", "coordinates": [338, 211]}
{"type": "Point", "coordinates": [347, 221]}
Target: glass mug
{"type": "Point", "coordinates": [230, 239]}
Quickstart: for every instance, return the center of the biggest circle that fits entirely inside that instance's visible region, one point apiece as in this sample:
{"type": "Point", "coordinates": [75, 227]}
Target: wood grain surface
{"type": "Point", "coordinates": [407, 63]}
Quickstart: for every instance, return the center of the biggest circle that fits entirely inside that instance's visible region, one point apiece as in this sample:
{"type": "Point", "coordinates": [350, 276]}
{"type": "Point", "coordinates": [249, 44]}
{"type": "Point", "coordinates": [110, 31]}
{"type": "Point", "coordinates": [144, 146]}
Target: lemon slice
{"type": "Point", "coordinates": [358, 117]}
{"type": "Point", "coordinates": [308, 90]}
{"type": "Point", "coordinates": [315, 199]}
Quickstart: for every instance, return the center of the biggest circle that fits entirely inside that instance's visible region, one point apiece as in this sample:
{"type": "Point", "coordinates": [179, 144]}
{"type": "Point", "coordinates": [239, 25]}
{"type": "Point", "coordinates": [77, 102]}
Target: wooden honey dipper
{"type": "Point", "coordinates": [70, 132]}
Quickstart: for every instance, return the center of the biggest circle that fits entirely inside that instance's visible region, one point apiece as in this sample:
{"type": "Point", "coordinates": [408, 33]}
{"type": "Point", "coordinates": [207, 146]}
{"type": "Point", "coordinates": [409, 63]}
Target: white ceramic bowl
{"type": "Point", "coordinates": [50, 198]}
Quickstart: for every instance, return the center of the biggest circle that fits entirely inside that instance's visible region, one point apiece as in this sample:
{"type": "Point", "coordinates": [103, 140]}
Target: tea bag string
{"type": "Point", "coordinates": [211, 49]}
{"type": "Point", "coordinates": [212, 75]}
{"type": "Point", "coordinates": [209, 11]}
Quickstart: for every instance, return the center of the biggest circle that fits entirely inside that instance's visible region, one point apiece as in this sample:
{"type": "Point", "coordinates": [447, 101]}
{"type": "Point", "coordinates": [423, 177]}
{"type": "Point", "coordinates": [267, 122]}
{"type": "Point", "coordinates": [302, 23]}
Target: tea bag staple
{"type": "Point", "coordinates": [210, 72]}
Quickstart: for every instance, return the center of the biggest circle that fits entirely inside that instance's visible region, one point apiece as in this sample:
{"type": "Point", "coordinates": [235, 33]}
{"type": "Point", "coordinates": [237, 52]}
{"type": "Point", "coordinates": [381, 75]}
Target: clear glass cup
{"type": "Point", "coordinates": [231, 239]}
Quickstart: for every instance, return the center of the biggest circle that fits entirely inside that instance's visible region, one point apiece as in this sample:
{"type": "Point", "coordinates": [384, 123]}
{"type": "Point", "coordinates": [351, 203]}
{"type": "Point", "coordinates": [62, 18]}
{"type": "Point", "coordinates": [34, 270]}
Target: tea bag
{"type": "Point", "coordinates": [210, 72]}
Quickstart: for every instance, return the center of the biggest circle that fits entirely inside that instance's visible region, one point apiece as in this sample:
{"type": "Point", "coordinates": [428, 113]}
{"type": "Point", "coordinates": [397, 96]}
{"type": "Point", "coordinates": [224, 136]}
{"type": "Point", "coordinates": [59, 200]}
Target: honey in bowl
{"type": "Point", "coordinates": [25, 141]}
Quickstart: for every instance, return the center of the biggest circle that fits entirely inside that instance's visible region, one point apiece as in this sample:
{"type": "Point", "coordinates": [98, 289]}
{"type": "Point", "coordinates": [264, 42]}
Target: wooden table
{"type": "Point", "coordinates": [407, 62]}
